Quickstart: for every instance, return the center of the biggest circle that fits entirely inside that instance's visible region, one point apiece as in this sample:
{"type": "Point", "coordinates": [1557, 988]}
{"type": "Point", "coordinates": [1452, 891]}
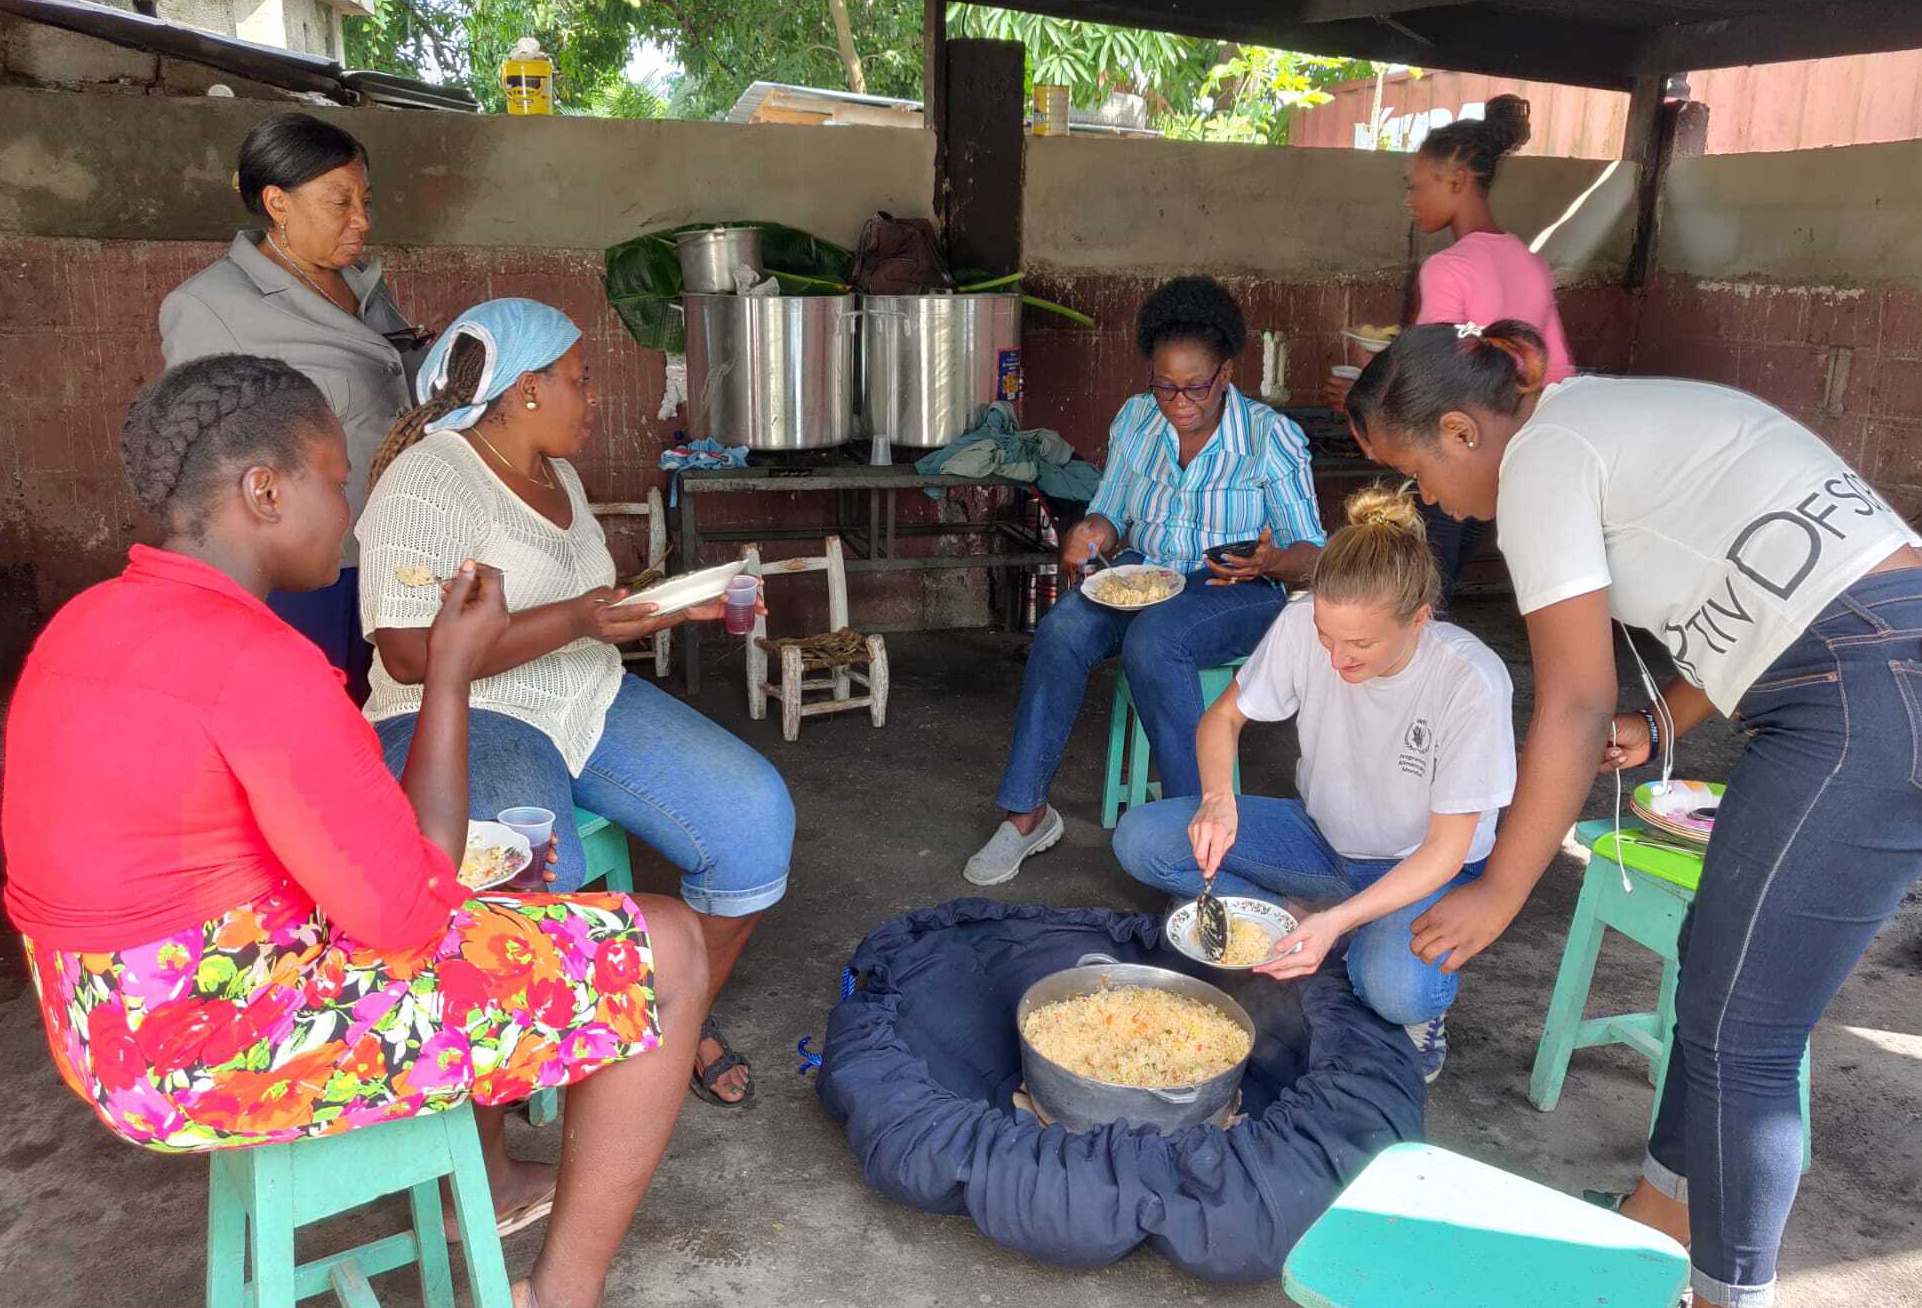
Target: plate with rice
{"type": "Point", "coordinates": [495, 855]}
{"type": "Point", "coordinates": [1130, 586]}
{"type": "Point", "coordinates": [1254, 925]}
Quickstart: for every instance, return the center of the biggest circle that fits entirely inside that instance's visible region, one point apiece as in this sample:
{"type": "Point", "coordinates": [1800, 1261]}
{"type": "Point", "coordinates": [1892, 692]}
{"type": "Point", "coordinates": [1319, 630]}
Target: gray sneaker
{"type": "Point", "coordinates": [1000, 858]}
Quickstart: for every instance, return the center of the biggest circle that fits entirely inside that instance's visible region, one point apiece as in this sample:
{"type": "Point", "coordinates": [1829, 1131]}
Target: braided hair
{"type": "Point", "coordinates": [1478, 144]}
{"type": "Point", "coordinates": [467, 359]}
{"type": "Point", "coordinates": [199, 422]}
{"type": "Point", "coordinates": [1198, 309]}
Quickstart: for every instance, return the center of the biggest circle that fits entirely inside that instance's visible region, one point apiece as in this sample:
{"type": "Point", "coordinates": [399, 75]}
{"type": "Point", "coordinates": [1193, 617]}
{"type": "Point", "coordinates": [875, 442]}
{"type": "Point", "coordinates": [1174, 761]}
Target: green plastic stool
{"type": "Point", "coordinates": [1424, 1228]}
{"type": "Point", "coordinates": [1664, 882]}
{"type": "Point", "coordinates": [605, 846]}
{"type": "Point", "coordinates": [258, 1197]}
{"type": "Point", "coordinates": [1127, 784]}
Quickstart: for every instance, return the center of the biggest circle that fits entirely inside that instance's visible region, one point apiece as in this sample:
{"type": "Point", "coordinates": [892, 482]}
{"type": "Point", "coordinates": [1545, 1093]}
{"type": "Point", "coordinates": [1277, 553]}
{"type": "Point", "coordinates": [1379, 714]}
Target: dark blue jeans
{"type": "Point", "coordinates": [1163, 649]}
{"type": "Point", "coordinates": [1453, 544]}
{"type": "Point", "coordinates": [1815, 843]}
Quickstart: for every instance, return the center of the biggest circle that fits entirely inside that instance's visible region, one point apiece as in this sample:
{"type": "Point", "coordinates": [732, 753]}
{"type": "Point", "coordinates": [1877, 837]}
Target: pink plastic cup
{"type": "Point", "coordinates": [743, 593]}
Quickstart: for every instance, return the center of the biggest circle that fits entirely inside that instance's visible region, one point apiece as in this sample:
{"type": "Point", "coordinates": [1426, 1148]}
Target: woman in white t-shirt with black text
{"type": "Point", "coordinates": [1407, 753]}
{"type": "Point", "coordinates": [1790, 598]}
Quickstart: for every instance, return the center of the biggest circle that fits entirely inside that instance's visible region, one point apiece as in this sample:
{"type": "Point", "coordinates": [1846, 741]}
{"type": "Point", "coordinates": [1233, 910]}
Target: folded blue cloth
{"type": "Point", "coordinates": [703, 453]}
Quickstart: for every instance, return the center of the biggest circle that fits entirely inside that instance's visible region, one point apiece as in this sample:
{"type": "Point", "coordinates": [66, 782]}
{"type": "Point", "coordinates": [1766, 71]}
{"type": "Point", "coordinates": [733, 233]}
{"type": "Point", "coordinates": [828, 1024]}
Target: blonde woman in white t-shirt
{"type": "Point", "coordinates": [1407, 754]}
{"type": "Point", "coordinates": [1789, 595]}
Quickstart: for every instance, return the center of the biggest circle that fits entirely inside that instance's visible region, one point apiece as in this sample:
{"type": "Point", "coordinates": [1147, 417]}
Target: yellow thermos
{"type": "Point", "coordinates": [527, 79]}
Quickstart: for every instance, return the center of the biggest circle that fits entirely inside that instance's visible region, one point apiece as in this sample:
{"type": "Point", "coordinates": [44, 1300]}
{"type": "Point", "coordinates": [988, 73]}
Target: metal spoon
{"type": "Point", "coordinates": [1211, 923]}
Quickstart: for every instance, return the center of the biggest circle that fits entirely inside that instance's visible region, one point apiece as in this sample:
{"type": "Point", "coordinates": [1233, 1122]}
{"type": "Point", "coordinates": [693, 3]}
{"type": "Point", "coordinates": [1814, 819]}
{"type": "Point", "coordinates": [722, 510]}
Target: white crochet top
{"type": "Point", "coordinates": [438, 504]}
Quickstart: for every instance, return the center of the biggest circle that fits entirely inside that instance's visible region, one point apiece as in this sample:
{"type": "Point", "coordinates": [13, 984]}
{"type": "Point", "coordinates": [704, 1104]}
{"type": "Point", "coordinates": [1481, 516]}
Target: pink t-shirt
{"type": "Point", "coordinates": [1487, 276]}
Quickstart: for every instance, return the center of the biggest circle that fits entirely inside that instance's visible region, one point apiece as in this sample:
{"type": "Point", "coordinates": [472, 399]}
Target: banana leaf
{"type": "Point", "coordinates": [643, 279]}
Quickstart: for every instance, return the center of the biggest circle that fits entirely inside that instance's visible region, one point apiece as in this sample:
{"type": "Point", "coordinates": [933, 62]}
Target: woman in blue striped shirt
{"type": "Point", "coordinates": [1192, 464]}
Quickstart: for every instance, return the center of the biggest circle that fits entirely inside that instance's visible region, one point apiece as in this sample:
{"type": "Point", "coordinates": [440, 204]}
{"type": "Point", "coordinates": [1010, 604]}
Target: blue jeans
{"type": "Point", "coordinates": [1279, 853]}
{"type": "Point", "coordinates": [709, 802]}
{"type": "Point", "coordinates": [1162, 648]}
{"type": "Point", "coordinates": [330, 617]}
{"type": "Point", "coordinates": [1816, 841]}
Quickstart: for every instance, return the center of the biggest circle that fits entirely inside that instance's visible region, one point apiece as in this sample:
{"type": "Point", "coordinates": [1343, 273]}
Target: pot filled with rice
{"type": "Point", "coordinates": [1107, 1041]}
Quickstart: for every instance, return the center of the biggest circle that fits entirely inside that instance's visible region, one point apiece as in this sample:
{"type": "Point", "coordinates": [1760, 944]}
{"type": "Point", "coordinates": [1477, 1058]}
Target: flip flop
{"type": "Point", "coordinates": [701, 1082]}
{"type": "Point", "coordinates": [518, 1218]}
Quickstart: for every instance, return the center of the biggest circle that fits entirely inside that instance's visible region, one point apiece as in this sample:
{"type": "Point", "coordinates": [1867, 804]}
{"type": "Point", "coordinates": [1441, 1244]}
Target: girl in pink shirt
{"type": "Point", "coordinates": [1487, 275]}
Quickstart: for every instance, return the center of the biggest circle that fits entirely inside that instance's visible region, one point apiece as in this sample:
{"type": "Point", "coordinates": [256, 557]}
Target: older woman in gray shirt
{"type": "Point", "coordinates": [303, 290]}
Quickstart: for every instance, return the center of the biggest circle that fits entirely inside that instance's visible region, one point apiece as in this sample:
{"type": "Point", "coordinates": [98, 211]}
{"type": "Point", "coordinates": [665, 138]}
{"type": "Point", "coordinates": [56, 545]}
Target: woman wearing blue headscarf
{"type": "Point", "coordinates": [480, 471]}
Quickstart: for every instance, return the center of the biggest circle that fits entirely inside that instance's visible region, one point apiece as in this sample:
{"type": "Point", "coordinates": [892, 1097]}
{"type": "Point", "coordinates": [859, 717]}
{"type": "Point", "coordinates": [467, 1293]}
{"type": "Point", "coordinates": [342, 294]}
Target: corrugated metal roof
{"type": "Point", "coordinates": [290, 70]}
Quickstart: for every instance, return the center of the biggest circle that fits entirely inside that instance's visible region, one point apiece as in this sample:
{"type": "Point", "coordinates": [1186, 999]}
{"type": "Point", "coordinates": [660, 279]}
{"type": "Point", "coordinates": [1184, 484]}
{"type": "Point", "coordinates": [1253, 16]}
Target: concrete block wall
{"type": "Point", "coordinates": [109, 202]}
{"type": "Point", "coordinates": [1798, 276]}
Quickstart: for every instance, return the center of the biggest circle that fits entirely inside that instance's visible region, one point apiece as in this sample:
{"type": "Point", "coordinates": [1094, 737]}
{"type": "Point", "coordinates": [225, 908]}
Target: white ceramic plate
{"type": "Point", "coordinates": [1091, 585]}
{"type": "Point", "coordinates": [1368, 343]}
{"type": "Point", "coordinates": [684, 592]}
{"type": "Point", "coordinates": [1180, 928]}
{"type": "Point", "coordinates": [493, 834]}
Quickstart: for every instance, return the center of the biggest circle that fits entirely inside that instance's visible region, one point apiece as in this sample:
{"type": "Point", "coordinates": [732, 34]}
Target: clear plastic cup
{"type": "Point", "coordinates": [743, 593]}
{"type": "Point", "coordinates": [537, 824]}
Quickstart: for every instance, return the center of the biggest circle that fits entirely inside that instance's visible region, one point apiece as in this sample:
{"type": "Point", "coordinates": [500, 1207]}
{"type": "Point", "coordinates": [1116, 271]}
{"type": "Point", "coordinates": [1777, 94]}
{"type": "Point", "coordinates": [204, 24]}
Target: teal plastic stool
{"type": "Point", "coordinates": [258, 1197]}
{"type": "Point", "coordinates": [1425, 1228]}
{"type": "Point", "coordinates": [1127, 783]}
{"type": "Point", "coordinates": [1650, 915]}
{"type": "Point", "coordinates": [605, 846]}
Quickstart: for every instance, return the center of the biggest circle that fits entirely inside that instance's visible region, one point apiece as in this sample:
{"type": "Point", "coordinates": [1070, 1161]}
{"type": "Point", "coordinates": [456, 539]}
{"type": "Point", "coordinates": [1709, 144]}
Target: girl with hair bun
{"type": "Point", "coordinates": [1407, 754]}
{"type": "Point", "coordinates": [1789, 595]}
{"type": "Point", "coordinates": [1487, 275]}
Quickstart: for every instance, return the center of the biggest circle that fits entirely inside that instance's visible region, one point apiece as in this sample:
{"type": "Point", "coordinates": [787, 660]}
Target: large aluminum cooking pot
{"type": "Point", "coordinates": [710, 256]}
{"type": "Point", "coordinates": [771, 372]}
{"type": "Point", "coordinates": [931, 364]}
{"type": "Point", "coordinates": [1079, 1102]}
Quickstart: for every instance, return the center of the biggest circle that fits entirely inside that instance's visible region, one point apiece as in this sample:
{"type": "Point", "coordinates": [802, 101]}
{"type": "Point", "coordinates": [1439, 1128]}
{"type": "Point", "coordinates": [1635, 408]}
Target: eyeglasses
{"type": "Point", "coordinates": [1166, 393]}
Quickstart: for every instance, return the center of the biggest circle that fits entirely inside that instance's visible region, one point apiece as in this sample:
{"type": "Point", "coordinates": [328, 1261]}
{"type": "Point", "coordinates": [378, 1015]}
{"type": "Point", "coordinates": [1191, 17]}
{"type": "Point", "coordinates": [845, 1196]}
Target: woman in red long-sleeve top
{"type": "Point", "coordinates": [267, 939]}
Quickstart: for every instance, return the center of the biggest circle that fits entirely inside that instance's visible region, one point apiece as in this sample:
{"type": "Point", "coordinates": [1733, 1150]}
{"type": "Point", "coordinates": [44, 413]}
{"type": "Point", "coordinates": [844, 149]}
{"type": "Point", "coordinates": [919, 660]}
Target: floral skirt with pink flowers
{"type": "Point", "coordinates": [267, 1024]}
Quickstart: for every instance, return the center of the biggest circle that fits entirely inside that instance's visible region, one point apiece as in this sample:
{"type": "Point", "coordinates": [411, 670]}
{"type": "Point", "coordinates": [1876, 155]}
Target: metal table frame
{"type": "Point", "coordinates": [871, 539]}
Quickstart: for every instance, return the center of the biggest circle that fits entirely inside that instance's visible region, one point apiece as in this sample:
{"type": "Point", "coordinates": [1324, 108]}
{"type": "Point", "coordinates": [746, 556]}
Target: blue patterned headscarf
{"type": "Point", "coordinates": [516, 336]}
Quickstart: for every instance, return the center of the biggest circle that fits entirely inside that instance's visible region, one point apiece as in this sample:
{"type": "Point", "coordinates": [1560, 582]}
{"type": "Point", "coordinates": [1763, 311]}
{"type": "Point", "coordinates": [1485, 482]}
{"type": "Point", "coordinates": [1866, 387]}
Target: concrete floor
{"type": "Point", "coordinates": [766, 1206]}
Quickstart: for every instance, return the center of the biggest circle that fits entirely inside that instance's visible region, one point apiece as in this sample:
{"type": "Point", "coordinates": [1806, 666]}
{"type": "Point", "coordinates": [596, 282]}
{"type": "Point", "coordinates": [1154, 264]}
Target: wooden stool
{"type": "Point", "coordinates": [1127, 783]}
{"type": "Point", "coordinates": [795, 661]}
{"type": "Point", "coordinates": [1424, 1228]}
{"type": "Point", "coordinates": [258, 1197]}
{"type": "Point", "coordinates": [605, 846]}
{"type": "Point", "coordinates": [1664, 884]}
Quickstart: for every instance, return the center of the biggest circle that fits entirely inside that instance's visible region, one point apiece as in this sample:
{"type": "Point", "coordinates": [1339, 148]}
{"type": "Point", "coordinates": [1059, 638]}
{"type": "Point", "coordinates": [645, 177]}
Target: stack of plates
{"type": "Point", "coordinates": [1685, 809]}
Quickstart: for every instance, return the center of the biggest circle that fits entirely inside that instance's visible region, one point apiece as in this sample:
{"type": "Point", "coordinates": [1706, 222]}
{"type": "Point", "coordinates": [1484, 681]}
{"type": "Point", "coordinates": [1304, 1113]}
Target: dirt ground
{"type": "Point", "coordinates": [765, 1205]}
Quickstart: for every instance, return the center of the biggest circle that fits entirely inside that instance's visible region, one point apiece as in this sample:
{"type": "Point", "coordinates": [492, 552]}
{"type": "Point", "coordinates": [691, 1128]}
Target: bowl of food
{"type": "Point", "coordinates": [1133, 585]}
{"type": "Point", "coordinates": [1372, 338]}
{"type": "Point", "coordinates": [1105, 1041]}
{"type": "Point", "coordinates": [1254, 927]}
{"type": "Point", "coordinates": [495, 854]}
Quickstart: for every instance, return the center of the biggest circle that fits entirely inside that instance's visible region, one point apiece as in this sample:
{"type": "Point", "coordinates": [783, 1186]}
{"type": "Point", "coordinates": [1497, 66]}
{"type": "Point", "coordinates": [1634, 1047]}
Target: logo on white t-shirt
{"type": "Point", "coordinates": [1419, 742]}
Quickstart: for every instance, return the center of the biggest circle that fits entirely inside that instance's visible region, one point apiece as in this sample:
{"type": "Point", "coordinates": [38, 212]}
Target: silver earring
{"type": "Point", "coordinates": [532, 405]}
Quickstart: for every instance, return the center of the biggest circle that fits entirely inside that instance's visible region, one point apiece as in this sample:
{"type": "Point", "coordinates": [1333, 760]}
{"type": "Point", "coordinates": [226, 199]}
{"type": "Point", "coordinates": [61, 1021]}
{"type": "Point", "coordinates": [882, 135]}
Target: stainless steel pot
{"type": "Point", "coordinates": [709, 258]}
{"type": "Point", "coordinates": [1079, 1102]}
{"type": "Point", "coordinates": [931, 364]}
{"type": "Point", "coordinates": [771, 372]}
